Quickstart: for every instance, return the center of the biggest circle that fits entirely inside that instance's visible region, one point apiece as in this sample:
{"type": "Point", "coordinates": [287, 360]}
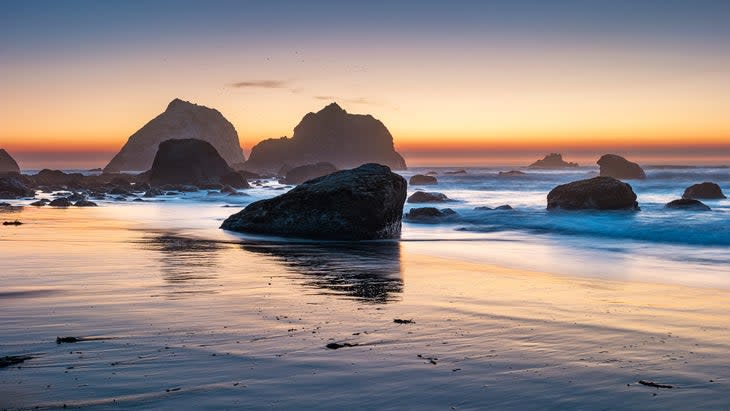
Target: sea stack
{"type": "Point", "coordinates": [7, 163]}
{"type": "Point", "coordinates": [194, 162]}
{"type": "Point", "coordinates": [615, 166]}
{"type": "Point", "coordinates": [553, 161]}
{"type": "Point", "coordinates": [365, 203]}
{"type": "Point", "coordinates": [181, 120]}
{"type": "Point", "coordinates": [598, 193]}
{"type": "Point", "coordinates": [330, 135]}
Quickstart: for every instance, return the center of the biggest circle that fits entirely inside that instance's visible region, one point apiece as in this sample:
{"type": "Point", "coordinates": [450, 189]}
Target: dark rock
{"type": "Point", "coordinates": [456, 172]}
{"type": "Point", "coordinates": [298, 175]}
{"type": "Point", "coordinates": [48, 177]}
{"type": "Point", "coordinates": [138, 200]}
{"type": "Point", "coordinates": [432, 173]}
{"type": "Point", "coordinates": [429, 214]}
{"type": "Point", "coordinates": [248, 175]}
{"type": "Point", "coordinates": [85, 203]}
{"type": "Point", "coordinates": [618, 167]}
{"type": "Point", "coordinates": [234, 179]}
{"type": "Point", "coordinates": [7, 163]}
{"type": "Point", "coordinates": [76, 197]}
{"type": "Point", "coordinates": [504, 207]}
{"type": "Point", "coordinates": [119, 191]}
{"type": "Point", "coordinates": [60, 202]}
{"type": "Point", "coordinates": [704, 190]}
{"type": "Point", "coordinates": [428, 197]}
{"type": "Point", "coordinates": [228, 190]}
{"type": "Point", "coordinates": [483, 208]}
{"type": "Point", "coordinates": [181, 120]}
{"type": "Point", "coordinates": [688, 204]}
{"type": "Point", "coordinates": [16, 222]}
{"type": "Point", "coordinates": [189, 162]}
{"type": "Point", "coordinates": [331, 135]}
{"type": "Point", "coordinates": [422, 180]}
{"type": "Point", "coordinates": [153, 192]}
{"type": "Point", "coordinates": [3, 204]}
{"type": "Point", "coordinates": [512, 173]}
{"type": "Point", "coordinates": [365, 203]}
{"type": "Point", "coordinates": [553, 160]}
{"type": "Point", "coordinates": [599, 193]}
{"type": "Point", "coordinates": [12, 186]}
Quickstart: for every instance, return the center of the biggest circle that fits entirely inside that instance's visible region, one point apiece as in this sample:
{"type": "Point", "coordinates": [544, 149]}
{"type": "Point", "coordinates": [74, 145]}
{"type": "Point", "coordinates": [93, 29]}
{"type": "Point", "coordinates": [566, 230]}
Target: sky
{"type": "Point", "coordinates": [457, 83]}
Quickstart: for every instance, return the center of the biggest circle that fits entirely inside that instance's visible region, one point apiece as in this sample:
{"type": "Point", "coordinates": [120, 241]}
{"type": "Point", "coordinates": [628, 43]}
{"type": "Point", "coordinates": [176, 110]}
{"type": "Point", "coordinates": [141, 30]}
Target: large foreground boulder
{"type": "Point", "coordinates": [616, 166]}
{"type": "Point", "coordinates": [598, 193]}
{"type": "Point", "coordinates": [181, 120]}
{"type": "Point", "coordinates": [194, 162]}
{"type": "Point", "coordinates": [704, 190]}
{"type": "Point", "coordinates": [12, 186]}
{"type": "Point", "coordinates": [553, 161]}
{"type": "Point", "coordinates": [365, 203]}
{"type": "Point", "coordinates": [7, 163]}
{"type": "Point", "coordinates": [330, 135]}
{"type": "Point", "coordinates": [687, 204]}
{"type": "Point", "coordinates": [298, 175]}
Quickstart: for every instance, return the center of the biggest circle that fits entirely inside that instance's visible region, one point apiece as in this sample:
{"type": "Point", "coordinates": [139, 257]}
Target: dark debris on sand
{"type": "Point", "coordinates": [654, 384]}
{"type": "Point", "coordinates": [61, 340]}
{"type": "Point", "coordinates": [16, 222]}
{"type": "Point", "coordinates": [399, 321]}
{"type": "Point", "coordinates": [335, 346]}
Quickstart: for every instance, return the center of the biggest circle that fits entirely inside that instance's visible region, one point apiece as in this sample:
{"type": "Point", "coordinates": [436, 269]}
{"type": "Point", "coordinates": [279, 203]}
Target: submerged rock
{"type": "Point", "coordinates": [331, 135]}
{"type": "Point", "coordinates": [422, 180]}
{"type": "Point", "coordinates": [502, 208]}
{"type": "Point", "coordinates": [428, 197]}
{"type": "Point", "coordinates": [12, 186]}
{"type": "Point", "coordinates": [60, 202]}
{"type": "Point", "coordinates": [598, 193]}
{"type": "Point", "coordinates": [191, 162]}
{"type": "Point", "coordinates": [85, 203]}
{"type": "Point", "coordinates": [512, 173]}
{"type": "Point", "coordinates": [616, 166]}
{"type": "Point", "coordinates": [181, 120]}
{"type": "Point", "coordinates": [429, 214]}
{"type": "Point", "coordinates": [553, 160]}
{"type": "Point", "coordinates": [8, 163]}
{"type": "Point", "coordinates": [298, 175]}
{"type": "Point", "coordinates": [688, 204]}
{"type": "Point", "coordinates": [704, 190]}
{"type": "Point", "coordinates": [365, 203]}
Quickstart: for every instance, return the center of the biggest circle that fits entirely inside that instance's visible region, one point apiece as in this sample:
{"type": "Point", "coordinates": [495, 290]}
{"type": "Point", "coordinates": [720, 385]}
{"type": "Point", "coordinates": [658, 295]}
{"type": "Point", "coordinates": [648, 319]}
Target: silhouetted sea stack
{"type": "Point", "coordinates": [688, 204]}
{"type": "Point", "coordinates": [422, 180]}
{"type": "Point", "coordinates": [298, 175]}
{"type": "Point", "coordinates": [553, 160]}
{"type": "Point", "coordinates": [12, 186]}
{"type": "Point", "coordinates": [365, 203]}
{"type": "Point", "coordinates": [331, 135]}
{"type": "Point", "coordinates": [7, 163]}
{"type": "Point", "coordinates": [181, 120]}
{"type": "Point", "coordinates": [706, 190]}
{"type": "Point", "coordinates": [194, 162]}
{"type": "Point", "coordinates": [598, 193]}
{"type": "Point", "coordinates": [616, 166]}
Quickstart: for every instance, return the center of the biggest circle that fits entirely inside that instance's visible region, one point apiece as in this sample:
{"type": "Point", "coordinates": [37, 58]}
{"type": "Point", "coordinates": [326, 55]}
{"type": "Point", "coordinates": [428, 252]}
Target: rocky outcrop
{"type": "Point", "coordinates": [331, 135]}
{"type": "Point", "coordinates": [687, 204]}
{"type": "Point", "coordinates": [298, 175]}
{"type": "Point", "coordinates": [85, 203]}
{"type": "Point", "coordinates": [422, 180]}
{"type": "Point", "coordinates": [181, 120]}
{"type": "Point", "coordinates": [554, 161]}
{"type": "Point", "coordinates": [192, 162]}
{"type": "Point", "coordinates": [706, 190]}
{"type": "Point", "coordinates": [512, 173]}
{"type": "Point", "coordinates": [57, 178]}
{"type": "Point", "coordinates": [598, 193]}
{"type": "Point", "coordinates": [429, 214]}
{"type": "Point", "coordinates": [504, 207]}
{"type": "Point", "coordinates": [428, 197]}
{"type": "Point", "coordinates": [365, 203]}
{"type": "Point", "coordinates": [7, 163]}
{"type": "Point", "coordinates": [60, 202]}
{"type": "Point", "coordinates": [616, 166]}
{"type": "Point", "coordinates": [12, 186]}
{"type": "Point", "coordinates": [456, 172]}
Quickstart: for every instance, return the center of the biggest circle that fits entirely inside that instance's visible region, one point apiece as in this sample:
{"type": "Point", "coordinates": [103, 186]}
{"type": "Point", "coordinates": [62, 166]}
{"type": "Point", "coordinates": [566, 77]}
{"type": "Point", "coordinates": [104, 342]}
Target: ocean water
{"type": "Point", "coordinates": [520, 309]}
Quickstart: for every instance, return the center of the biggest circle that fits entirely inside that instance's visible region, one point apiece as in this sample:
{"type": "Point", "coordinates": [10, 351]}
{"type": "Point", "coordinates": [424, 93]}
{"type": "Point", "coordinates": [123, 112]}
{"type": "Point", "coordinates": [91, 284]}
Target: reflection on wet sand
{"type": "Point", "coordinates": [186, 264]}
{"type": "Point", "coordinates": [368, 272]}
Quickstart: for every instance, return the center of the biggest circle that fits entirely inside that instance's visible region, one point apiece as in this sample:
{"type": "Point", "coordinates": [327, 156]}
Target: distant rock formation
{"type": "Point", "coordinates": [331, 135]}
{"type": "Point", "coordinates": [429, 214]}
{"type": "Point", "coordinates": [688, 204]}
{"type": "Point", "coordinates": [616, 166]}
{"type": "Point", "coordinates": [181, 120]}
{"type": "Point", "coordinates": [7, 163]}
{"type": "Point", "coordinates": [504, 207]}
{"type": "Point", "coordinates": [553, 160]}
{"type": "Point", "coordinates": [192, 161]}
{"type": "Point", "coordinates": [298, 175]}
{"type": "Point", "coordinates": [456, 172]}
{"type": "Point", "coordinates": [706, 190]}
{"type": "Point", "coordinates": [428, 197]}
{"type": "Point", "coordinates": [512, 173]}
{"type": "Point", "coordinates": [365, 203]}
{"type": "Point", "coordinates": [597, 193]}
{"type": "Point", "coordinates": [13, 186]}
{"type": "Point", "coordinates": [422, 180]}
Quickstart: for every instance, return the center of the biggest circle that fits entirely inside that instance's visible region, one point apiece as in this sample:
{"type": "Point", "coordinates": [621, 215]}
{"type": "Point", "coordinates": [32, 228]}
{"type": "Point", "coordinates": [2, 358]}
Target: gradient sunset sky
{"type": "Point", "coordinates": [460, 82]}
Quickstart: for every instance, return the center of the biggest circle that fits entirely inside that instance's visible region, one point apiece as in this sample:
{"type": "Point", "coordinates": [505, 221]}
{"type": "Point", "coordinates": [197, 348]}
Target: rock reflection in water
{"type": "Point", "coordinates": [369, 272]}
{"type": "Point", "coordinates": [187, 264]}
